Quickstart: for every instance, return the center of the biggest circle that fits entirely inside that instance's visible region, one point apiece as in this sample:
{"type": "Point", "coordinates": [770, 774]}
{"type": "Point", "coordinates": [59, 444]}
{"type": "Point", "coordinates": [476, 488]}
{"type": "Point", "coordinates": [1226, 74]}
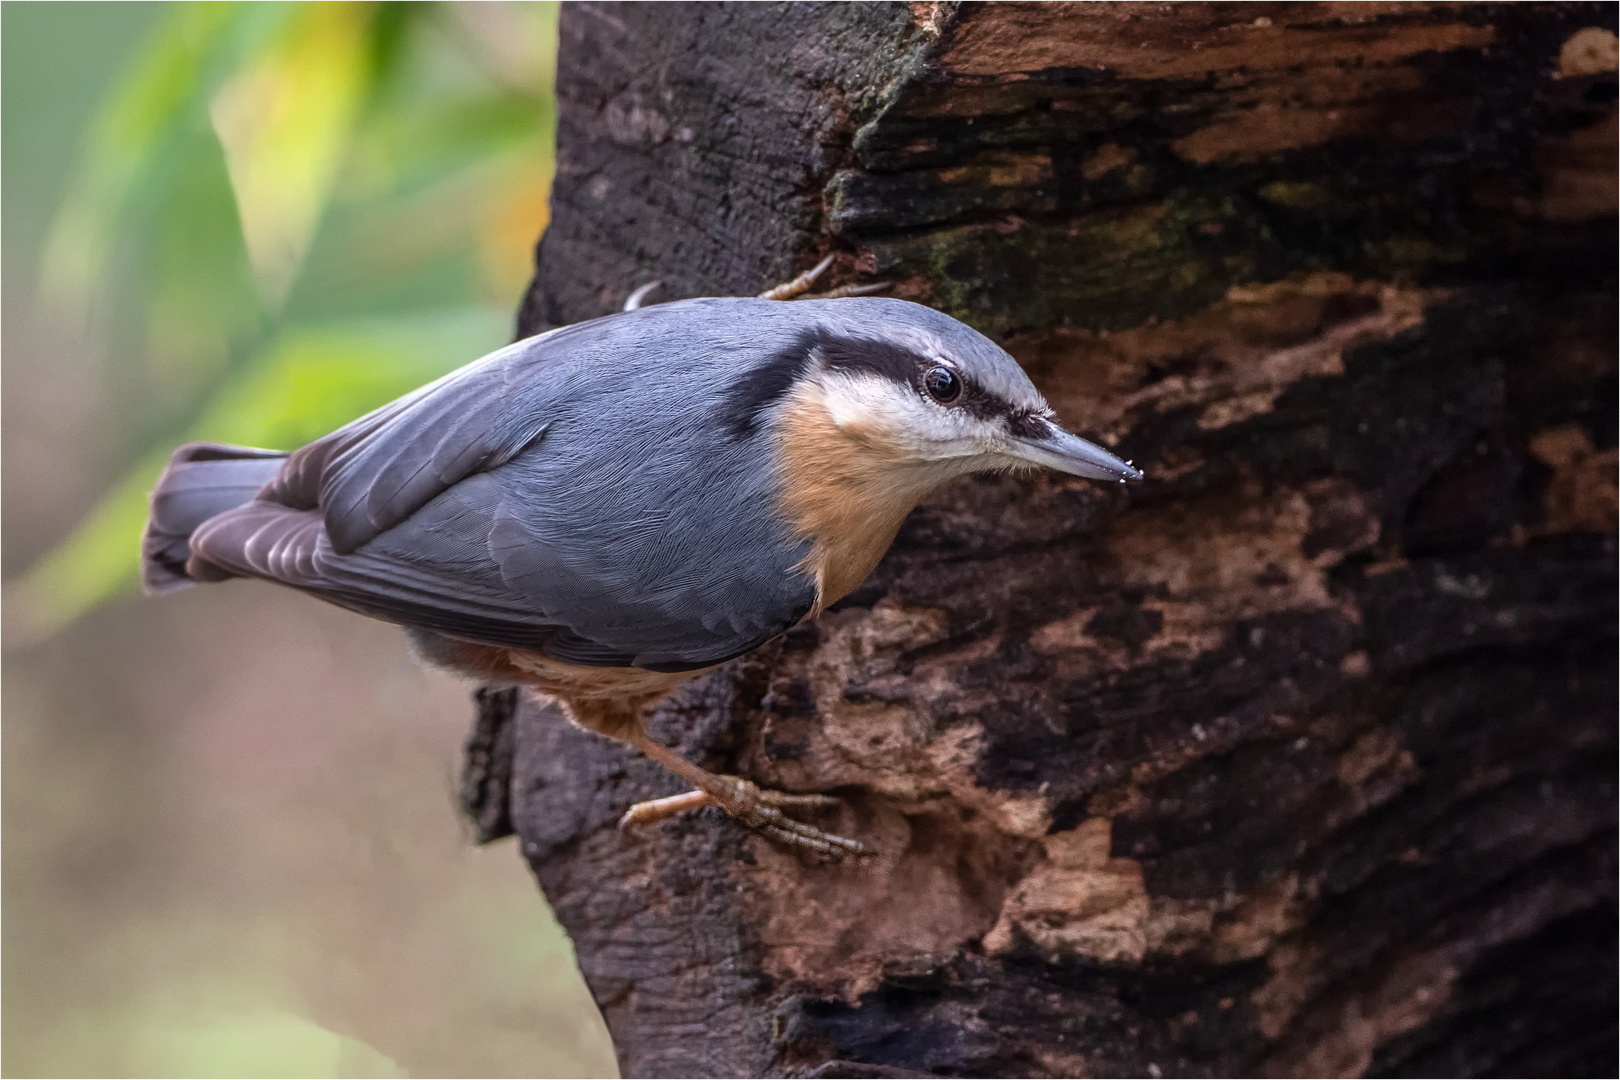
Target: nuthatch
{"type": "Point", "coordinates": [610, 508]}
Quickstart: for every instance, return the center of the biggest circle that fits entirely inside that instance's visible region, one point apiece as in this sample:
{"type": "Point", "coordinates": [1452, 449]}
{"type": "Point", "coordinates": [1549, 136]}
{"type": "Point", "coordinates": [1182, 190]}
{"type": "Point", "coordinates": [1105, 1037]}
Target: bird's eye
{"type": "Point", "coordinates": [942, 385]}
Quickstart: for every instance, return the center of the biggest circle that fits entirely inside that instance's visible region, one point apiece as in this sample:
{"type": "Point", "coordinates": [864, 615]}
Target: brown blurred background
{"type": "Point", "coordinates": [231, 841]}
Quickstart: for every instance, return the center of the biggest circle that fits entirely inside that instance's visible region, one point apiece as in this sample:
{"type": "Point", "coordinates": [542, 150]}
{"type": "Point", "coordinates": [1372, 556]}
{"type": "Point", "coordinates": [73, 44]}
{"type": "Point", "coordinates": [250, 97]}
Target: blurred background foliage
{"type": "Point", "coordinates": [231, 846]}
{"type": "Point", "coordinates": [282, 216]}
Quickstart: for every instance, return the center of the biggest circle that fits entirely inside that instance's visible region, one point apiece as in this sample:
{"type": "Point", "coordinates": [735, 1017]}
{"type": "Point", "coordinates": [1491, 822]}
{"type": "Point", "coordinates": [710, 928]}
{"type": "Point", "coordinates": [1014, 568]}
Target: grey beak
{"type": "Point", "coordinates": [1072, 454]}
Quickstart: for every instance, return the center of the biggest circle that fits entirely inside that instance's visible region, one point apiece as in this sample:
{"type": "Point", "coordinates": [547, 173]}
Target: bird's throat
{"type": "Point", "coordinates": [846, 488]}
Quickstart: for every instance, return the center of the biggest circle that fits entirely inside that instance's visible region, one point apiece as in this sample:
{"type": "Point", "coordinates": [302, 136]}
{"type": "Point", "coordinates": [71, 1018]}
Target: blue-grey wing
{"type": "Point", "coordinates": [529, 501]}
{"type": "Point", "coordinates": [372, 474]}
{"type": "Point", "coordinates": [467, 566]}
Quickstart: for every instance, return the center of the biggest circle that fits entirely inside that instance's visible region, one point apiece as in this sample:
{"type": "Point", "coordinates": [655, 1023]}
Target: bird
{"type": "Point", "coordinates": [605, 510]}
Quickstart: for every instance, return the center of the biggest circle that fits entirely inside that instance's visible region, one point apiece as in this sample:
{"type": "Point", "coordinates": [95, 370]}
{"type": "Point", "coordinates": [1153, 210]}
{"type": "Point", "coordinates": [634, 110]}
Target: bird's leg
{"type": "Point", "coordinates": [620, 718]}
{"type": "Point", "coordinates": [747, 802]}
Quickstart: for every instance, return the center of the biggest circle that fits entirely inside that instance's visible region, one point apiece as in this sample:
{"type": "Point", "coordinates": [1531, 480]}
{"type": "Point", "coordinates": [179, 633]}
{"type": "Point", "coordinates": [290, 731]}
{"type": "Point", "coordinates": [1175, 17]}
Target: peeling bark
{"type": "Point", "coordinates": [1298, 758]}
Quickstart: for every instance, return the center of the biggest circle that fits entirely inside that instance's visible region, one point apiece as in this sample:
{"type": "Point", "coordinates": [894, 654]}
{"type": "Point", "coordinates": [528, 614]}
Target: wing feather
{"type": "Point", "coordinates": [533, 500]}
{"type": "Point", "coordinates": [372, 474]}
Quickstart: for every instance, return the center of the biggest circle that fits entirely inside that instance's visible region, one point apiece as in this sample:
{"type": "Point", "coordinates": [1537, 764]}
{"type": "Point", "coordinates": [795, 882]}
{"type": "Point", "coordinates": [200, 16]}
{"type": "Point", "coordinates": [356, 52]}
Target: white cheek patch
{"type": "Point", "coordinates": [869, 401]}
{"type": "Point", "coordinates": [899, 415]}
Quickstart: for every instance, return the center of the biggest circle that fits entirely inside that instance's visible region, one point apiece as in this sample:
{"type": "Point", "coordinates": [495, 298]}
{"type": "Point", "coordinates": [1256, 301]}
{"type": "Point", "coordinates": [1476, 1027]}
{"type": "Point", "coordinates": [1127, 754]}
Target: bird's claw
{"type": "Point", "coordinates": [759, 809]}
{"type": "Point", "coordinates": [633, 301]}
{"type": "Point", "coordinates": [653, 810]}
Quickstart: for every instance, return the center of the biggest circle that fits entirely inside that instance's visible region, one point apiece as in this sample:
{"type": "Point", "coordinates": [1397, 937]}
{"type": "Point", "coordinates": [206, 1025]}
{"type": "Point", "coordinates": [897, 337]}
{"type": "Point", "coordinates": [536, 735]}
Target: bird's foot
{"type": "Point", "coordinates": [799, 287]}
{"type": "Point", "coordinates": [758, 808]}
{"type": "Point", "coordinates": [846, 290]}
{"type": "Point", "coordinates": [762, 809]}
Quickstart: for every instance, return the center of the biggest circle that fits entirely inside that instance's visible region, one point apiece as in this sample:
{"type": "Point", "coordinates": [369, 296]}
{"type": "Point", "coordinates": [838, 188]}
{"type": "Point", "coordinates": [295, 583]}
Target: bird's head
{"type": "Point", "coordinates": [925, 394]}
{"type": "Point", "coordinates": [875, 402]}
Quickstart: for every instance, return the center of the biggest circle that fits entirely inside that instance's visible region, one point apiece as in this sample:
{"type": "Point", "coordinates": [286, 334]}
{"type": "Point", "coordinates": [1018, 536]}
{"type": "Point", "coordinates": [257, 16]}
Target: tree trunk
{"type": "Point", "coordinates": [1298, 757]}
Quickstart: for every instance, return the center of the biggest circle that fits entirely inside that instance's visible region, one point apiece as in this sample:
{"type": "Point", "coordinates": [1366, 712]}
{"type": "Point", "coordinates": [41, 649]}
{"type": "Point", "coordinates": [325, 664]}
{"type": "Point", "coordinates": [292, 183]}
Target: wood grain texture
{"type": "Point", "coordinates": [1297, 758]}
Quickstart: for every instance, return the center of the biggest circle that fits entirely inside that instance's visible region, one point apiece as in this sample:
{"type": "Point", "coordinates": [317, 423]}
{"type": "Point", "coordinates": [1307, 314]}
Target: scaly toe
{"type": "Point", "coordinates": [779, 826]}
{"type": "Point", "coordinates": [805, 843]}
{"type": "Point", "coordinates": [749, 793]}
{"type": "Point", "coordinates": [783, 800]}
{"type": "Point", "coordinates": [847, 290]}
{"type": "Point", "coordinates": [799, 835]}
{"type": "Point", "coordinates": [789, 289]}
{"type": "Point", "coordinates": [761, 810]}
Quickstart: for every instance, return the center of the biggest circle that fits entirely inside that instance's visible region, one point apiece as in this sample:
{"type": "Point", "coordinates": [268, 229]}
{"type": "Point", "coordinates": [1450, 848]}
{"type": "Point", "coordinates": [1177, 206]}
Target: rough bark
{"type": "Point", "coordinates": [1299, 757]}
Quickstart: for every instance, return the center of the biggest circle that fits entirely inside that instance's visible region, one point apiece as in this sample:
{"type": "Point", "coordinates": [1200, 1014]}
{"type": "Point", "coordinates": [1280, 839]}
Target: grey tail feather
{"type": "Point", "coordinates": [202, 479]}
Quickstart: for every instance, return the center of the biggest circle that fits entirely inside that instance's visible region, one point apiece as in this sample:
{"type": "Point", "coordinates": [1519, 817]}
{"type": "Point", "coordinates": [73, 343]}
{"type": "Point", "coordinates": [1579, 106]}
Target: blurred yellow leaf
{"type": "Point", "coordinates": [516, 212]}
{"type": "Point", "coordinates": [284, 122]}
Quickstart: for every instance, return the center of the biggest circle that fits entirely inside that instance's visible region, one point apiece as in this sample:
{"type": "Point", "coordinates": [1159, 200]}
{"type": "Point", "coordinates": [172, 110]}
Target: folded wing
{"type": "Point", "coordinates": [463, 507]}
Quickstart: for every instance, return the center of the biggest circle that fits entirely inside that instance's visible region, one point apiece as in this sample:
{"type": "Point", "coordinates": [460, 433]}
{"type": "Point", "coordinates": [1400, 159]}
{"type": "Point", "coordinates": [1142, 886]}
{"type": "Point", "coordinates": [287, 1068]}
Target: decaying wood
{"type": "Point", "coordinates": [1299, 757]}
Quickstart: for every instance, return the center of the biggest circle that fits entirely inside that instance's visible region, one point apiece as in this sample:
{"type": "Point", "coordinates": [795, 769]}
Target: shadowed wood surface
{"type": "Point", "coordinates": [1297, 758]}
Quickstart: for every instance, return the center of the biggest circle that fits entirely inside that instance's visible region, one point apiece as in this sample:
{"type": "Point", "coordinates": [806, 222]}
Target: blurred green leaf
{"type": "Point", "coordinates": [144, 110]}
{"type": "Point", "coordinates": [263, 176]}
{"type": "Point", "coordinates": [284, 121]}
{"type": "Point", "coordinates": [317, 379]}
{"type": "Point", "coordinates": [268, 1042]}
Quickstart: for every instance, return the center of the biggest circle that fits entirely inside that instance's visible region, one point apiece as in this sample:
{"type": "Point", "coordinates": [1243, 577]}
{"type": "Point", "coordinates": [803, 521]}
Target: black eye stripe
{"type": "Point", "coordinates": [893, 362]}
{"type": "Point", "coordinates": [899, 364]}
{"type": "Point", "coordinates": [767, 383]}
